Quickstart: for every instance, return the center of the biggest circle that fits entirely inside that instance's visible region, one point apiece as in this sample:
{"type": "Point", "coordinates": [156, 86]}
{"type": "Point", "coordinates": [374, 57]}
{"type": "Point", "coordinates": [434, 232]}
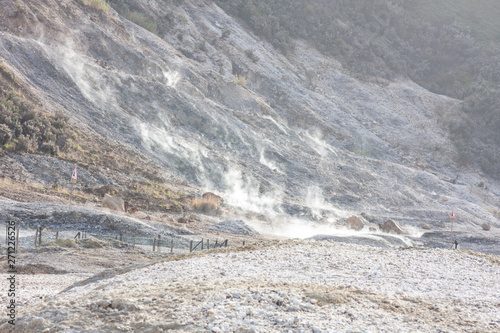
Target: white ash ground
{"type": "Point", "coordinates": [293, 286]}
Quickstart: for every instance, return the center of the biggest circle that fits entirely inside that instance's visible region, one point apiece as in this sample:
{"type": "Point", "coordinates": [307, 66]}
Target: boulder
{"type": "Point", "coordinates": [355, 223]}
{"type": "Point", "coordinates": [212, 197]}
{"type": "Point", "coordinates": [390, 226]}
{"type": "Point", "coordinates": [486, 226]}
{"type": "Point", "coordinates": [103, 190]}
{"type": "Point", "coordinates": [426, 227]}
{"type": "Point", "coordinates": [114, 203]}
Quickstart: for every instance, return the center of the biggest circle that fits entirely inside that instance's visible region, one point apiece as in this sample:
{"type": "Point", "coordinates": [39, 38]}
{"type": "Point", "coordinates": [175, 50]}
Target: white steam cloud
{"type": "Point", "coordinates": [290, 227]}
{"type": "Point", "coordinates": [172, 78]}
{"type": "Point", "coordinates": [316, 142]}
{"type": "Point", "coordinates": [243, 192]}
{"type": "Point", "coordinates": [270, 164]}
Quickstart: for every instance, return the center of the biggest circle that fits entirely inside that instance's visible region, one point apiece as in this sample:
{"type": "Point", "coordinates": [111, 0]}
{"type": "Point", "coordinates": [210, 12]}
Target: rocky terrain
{"type": "Point", "coordinates": [298, 137]}
{"type": "Point", "coordinates": [294, 145]}
{"type": "Point", "coordinates": [288, 286]}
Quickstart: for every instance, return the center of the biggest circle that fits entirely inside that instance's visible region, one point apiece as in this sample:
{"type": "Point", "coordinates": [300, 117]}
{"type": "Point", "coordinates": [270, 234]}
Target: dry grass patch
{"type": "Point", "coordinates": [209, 204]}
{"type": "Point", "coordinates": [97, 4]}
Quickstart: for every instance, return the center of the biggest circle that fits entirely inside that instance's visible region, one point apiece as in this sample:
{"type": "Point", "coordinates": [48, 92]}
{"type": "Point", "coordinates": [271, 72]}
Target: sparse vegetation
{"type": "Point", "coordinates": [141, 20]}
{"type": "Point", "coordinates": [251, 55]}
{"type": "Point", "coordinates": [20, 9]}
{"type": "Point", "coordinates": [23, 126]}
{"type": "Point", "coordinates": [134, 13]}
{"type": "Point", "coordinates": [97, 4]}
{"type": "Point", "coordinates": [226, 33]}
{"type": "Point", "coordinates": [206, 205]}
{"type": "Point", "coordinates": [240, 79]}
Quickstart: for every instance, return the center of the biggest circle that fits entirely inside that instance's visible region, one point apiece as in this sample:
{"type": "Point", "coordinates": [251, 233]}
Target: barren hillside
{"type": "Point", "coordinates": [205, 103]}
{"type": "Point", "coordinates": [158, 102]}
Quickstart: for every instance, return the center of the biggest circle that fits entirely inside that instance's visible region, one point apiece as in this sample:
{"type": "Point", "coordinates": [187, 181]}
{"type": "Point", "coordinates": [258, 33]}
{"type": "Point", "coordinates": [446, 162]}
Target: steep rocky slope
{"type": "Point", "coordinates": [204, 102]}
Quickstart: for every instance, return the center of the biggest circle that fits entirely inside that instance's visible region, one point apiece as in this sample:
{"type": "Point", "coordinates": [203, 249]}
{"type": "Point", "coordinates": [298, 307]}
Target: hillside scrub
{"type": "Point", "coordinates": [133, 12]}
{"type": "Point", "coordinates": [443, 46]}
{"type": "Point", "coordinates": [97, 4]}
{"type": "Point", "coordinates": [23, 127]}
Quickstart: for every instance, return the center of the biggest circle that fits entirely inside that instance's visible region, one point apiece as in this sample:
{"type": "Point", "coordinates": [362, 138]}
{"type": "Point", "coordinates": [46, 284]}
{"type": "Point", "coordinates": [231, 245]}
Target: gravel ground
{"type": "Point", "coordinates": [296, 286]}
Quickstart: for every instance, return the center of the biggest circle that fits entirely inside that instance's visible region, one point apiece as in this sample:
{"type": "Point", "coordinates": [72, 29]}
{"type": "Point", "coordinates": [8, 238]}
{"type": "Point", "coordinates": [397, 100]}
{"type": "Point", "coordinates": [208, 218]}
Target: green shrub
{"type": "Point", "coordinates": [5, 134]}
{"type": "Point", "coordinates": [132, 11]}
{"type": "Point", "coordinates": [9, 146]}
{"type": "Point", "coordinates": [141, 20]}
{"type": "Point", "coordinates": [23, 127]}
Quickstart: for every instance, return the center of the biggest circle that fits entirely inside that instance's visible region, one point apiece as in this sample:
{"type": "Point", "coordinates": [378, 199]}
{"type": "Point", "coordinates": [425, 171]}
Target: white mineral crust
{"type": "Point", "coordinates": [295, 286]}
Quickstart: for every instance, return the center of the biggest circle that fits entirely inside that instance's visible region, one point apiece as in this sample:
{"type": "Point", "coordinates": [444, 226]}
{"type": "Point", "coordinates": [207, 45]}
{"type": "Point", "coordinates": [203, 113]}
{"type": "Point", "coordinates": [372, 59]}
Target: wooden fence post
{"type": "Point", "coordinates": [159, 237]}
{"type": "Point", "coordinates": [172, 246]}
{"type": "Point", "coordinates": [57, 235]}
{"type": "Point", "coordinates": [40, 236]}
{"type": "Point", "coordinates": [243, 243]}
{"type": "Point", "coordinates": [190, 246]}
{"type": "Point", "coordinates": [202, 243]}
{"type": "Point", "coordinates": [121, 236]}
{"type": "Point", "coordinates": [36, 236]}
{"type": "Point", "coordinates": [134, 241]}
{"type": "Point", "coordinates": [154, 244]}
{"type": "Point", "coordinates": [208, 244]}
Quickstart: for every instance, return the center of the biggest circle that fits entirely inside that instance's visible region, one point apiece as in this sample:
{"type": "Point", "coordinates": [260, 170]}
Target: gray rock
{"type": "Point", "coordinates": [236, 227]}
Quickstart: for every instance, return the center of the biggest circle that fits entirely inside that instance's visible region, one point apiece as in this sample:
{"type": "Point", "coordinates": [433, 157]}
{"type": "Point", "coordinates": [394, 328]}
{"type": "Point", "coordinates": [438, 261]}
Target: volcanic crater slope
{"type": "Point", "coordinates": [201, 103]}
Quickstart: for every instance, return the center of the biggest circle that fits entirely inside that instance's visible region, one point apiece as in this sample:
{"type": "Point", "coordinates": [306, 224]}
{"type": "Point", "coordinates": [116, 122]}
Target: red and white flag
{"type": "Point", "coordinates": [452, 214]}
{"type": "Point", "coordinates": [74, 176]}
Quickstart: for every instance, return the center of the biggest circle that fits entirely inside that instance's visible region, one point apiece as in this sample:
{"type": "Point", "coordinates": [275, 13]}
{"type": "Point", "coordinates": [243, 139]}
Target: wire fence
{"type": "Point", "coordinates": [34, 238]}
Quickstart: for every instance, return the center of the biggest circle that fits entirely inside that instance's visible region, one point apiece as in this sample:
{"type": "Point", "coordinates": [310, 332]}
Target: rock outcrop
{"type": "Point", "coordinates": [486, 226]}
{"type": "Point", "coordinates": [114, 203]}
{"type": "Point", "coordinates": [212, 197]}
{"type": "Point", "coordinates": [355, 223]}
{"type": "Point", "coordinates": [391, 226]}
{"type": "Point", "coordinates": [300, 132]}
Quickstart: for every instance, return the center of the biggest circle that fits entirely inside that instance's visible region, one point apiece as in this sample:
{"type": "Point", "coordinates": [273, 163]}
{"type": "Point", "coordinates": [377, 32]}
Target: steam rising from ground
{"type": "Point", "coordinates": [289, 227]}
{"type": "Point", "coordinates": [85, 74]}
{"type": "Point", "coordinates": [315, 200]}
{"type": "Point", "coordinates": [270, 164]}
{"type": "Point", "coordinates": [316, 142]}
{"type": "Point", "coordinates": [281, 127]}
{"type": "Point", "coordinates": [164, 143]}
{"type": "Point", "coordinates": [172, 78]}
{"type": "Point", "coordinates": [243, 192]}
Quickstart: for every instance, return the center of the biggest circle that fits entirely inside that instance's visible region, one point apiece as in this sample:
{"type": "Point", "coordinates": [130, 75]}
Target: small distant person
{"type": "Point", "coordinates": [456, 244]}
